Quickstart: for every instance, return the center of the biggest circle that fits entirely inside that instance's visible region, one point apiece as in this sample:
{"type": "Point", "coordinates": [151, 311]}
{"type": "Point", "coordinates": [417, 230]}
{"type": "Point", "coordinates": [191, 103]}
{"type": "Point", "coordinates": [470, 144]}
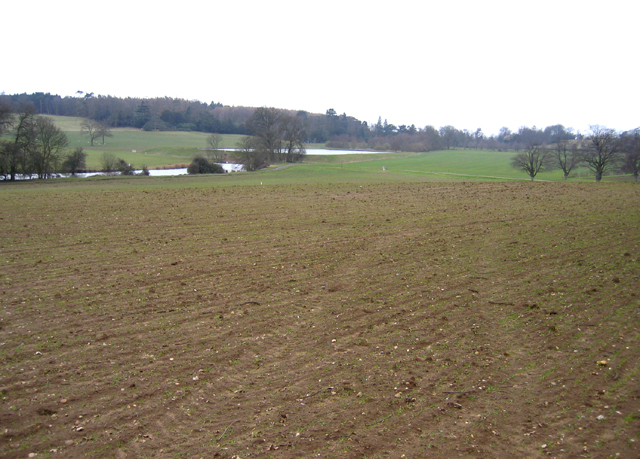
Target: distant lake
{"type": "Point", "coordinates": [228, 167]}
{"type": "Point", "coordinates": [324, 151]}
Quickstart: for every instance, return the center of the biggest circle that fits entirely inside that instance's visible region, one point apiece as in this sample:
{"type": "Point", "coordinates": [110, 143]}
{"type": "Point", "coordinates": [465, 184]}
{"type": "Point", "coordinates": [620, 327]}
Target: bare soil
{"type": "Point", "coordinates": [493, 320]}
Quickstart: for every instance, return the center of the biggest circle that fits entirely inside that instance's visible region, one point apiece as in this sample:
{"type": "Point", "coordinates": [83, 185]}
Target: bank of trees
{"type": "Point", "coordinates": [602, 151]}
{"type": "Point", "coordinates": [165, 113]}
{"type": "Point", "coordinates": [32, 146]}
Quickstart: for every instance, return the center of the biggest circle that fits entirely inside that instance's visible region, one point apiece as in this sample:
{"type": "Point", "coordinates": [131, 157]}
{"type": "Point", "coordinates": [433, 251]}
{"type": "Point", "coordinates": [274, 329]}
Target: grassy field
{"type": "Point", "coordinates": [448, 165]}
{"type": "Point", "coordinates": [138, 147]}
{"type": "Point", "coordinates": [371, 314]}
{"type": "Point", "coordinates": [172, 148]}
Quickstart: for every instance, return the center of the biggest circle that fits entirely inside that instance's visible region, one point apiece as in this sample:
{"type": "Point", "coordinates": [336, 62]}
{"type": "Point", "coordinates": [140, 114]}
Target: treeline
{"type": "Point", "coordinates": [167, 114]}
{"type": "Point", "coordinates": [385, 136]}
{"type": "Point", "coordinates": [602, 151]}
{"type": "Point", "coordinates": [337, 131]}
{"type": "Point", "coordinates": [161, 113]}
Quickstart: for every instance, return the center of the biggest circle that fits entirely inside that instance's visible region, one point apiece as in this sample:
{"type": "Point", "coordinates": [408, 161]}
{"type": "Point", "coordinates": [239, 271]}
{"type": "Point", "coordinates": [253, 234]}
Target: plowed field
{"type": "Point", "coordinates": [493, 320]}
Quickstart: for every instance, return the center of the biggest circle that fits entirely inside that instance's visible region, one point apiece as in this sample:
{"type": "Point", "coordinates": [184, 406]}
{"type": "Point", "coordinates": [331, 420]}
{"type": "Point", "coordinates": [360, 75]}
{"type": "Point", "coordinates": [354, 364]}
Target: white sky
{"type": "Point", "coordinates": [470, 64]}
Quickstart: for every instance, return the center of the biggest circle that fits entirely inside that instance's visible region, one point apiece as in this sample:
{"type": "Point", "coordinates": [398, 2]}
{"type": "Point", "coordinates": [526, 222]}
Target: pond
{"type": "Point", "coordinates": [228, 167]}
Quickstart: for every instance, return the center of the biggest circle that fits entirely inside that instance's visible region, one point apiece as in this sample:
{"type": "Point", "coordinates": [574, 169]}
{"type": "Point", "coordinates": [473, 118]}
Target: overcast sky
{"type": "Point", "coordinates": [470, 64]}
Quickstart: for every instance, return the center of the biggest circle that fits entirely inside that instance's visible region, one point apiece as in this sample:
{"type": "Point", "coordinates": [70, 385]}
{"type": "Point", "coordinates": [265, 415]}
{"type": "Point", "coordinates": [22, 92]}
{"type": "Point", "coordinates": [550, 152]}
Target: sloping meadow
{"type": "Point", "coordinates": [424, 320]}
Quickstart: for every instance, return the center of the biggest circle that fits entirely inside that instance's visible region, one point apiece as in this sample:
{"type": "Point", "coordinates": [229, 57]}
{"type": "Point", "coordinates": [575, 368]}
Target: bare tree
{"type": "Point", "coordinates": [108, 162]}
{"type": "Point", "coordinates": [603, 150]}
{"type": "Point", "coordinates": [265, 124]}
{"type": "Point", "coordinates": [91, 129]}
{"type": "Point", "coordinates": [567, 156]}
{"type": "Point", "coordinates": [253, 158]}
{"type": "Point", "coordinates": [533, 159]}
{"type": "Point", "coordinates": [631, 148]}
{"type": "Point", "coordinates": [213, 151]}
{"type": "Point", "coordinates": [293, 128]}
{"type": "Point", "coordinates": [103, 131]}
{"type": "Point", "coordinates": [278, 136]}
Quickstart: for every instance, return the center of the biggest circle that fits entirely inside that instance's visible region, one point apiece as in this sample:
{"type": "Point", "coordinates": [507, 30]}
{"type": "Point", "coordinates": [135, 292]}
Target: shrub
{"type": "Point", "coordinates": [75, 161]}
{"type": "Point", "coordinates": [109, 162]}
{"type": "Point", "coordinates": [124, 167]}
{"type": "Point", "coordinates": [201, 165]}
